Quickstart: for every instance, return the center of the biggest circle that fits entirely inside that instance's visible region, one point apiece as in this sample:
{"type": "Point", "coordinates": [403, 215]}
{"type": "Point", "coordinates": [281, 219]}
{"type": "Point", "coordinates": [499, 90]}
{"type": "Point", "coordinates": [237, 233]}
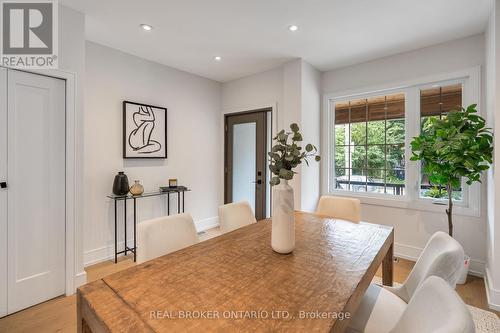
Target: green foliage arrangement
{"type": "Point", "coordinates": [285, 155]}
{"type": "Point", "coordinates": [454, 147]}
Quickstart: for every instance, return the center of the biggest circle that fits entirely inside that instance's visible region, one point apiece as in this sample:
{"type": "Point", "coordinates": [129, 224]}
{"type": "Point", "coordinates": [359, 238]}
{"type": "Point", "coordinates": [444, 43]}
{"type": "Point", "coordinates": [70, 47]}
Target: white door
{"type": "Point", "coordinates": [36, 189]}
{"type": "Point", "coordinates": [3, 192]}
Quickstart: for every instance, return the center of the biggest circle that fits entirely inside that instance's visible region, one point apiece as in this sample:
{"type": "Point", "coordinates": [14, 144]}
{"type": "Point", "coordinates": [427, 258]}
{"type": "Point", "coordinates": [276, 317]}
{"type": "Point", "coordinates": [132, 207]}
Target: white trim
{"type": "Point", "coordinates": [471, 79]}
{"type": "Point", "coordinates": [206, 224]}
{"type": "Point", "coordinates": [100, 254]}
{"type": "Point", "coordinates": [105, 253]}
{"type": "Point", "coordinates": [412, 253]}
{"type": "Point", "coordinates": [81, 279]}
{"type": "Point", "coordinates": [3, 194]}
{"type": "Point", "coordinates": [492, 294]}
{"type": "Point", "coordinates": [74, 277]}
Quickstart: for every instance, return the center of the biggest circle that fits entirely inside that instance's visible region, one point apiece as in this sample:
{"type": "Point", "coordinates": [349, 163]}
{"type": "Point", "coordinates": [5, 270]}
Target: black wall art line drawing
{"type": "Point", "coordinates": [144, 131]}
{"type": "Point", "coordinates": [140, 138]}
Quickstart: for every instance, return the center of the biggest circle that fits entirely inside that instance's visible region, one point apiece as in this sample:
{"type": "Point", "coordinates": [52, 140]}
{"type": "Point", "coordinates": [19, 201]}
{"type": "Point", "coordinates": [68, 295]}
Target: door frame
{"type": "Point", "coordinates": [270, 107]}
{"type": "Point", "coordinates": [75, 274]}
{"type": "Point", "coordinates": [261, 118]}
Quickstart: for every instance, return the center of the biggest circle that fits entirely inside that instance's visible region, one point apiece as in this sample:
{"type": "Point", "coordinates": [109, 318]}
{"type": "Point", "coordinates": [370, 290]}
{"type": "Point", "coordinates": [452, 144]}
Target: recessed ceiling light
{"type": "Point", "coordinates": [217, 58]}
{"type": "Point", "coordinates": [293, 28]}
{"type": "Point", "coordinates": [146, 27]}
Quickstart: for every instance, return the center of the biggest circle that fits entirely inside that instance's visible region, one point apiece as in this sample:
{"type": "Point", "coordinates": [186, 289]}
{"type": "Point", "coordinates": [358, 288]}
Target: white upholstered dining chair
{"type": "Point", "coordinates": [235, 215]}
{"type": "Point", "coordinates": [434, 308]}
{"type": "Point", "coordinates": [339, 207]}
{"type": "Point", "coordinates": [442, 256]}
{"type": "Point", "coordinates": [164, 235]}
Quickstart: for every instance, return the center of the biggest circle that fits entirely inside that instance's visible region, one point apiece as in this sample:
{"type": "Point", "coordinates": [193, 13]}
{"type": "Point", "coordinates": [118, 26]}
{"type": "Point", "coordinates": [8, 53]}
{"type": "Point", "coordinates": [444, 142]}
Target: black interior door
{"type": "Point", "coordinates": [245, 167]}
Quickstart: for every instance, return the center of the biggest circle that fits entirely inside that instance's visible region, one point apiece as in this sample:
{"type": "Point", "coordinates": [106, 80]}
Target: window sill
{"type": "Point", "coordinates": [403, 202]}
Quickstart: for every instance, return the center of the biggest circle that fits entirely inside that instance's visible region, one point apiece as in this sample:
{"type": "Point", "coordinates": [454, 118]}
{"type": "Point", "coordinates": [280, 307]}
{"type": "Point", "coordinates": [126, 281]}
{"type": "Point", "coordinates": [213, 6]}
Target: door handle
{"type": "Point", "coordinates": [258, 182]}
{"type": "Point", "coordinates": [3, 184]}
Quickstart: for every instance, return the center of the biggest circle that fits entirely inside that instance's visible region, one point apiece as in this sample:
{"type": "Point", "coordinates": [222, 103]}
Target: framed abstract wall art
{"type": "Point", "coordinates": [144, 131]}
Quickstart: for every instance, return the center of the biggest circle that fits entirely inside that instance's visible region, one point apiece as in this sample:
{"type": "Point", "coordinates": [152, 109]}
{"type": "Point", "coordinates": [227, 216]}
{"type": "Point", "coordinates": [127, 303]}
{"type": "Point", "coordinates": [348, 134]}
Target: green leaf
{"type": "Point", "coordinates": [286, 155]}
{"type": "Point", "coordinates": [286, 174]}
{"type": "Point", "coordinates": [458, 145]}
{"type": "Point", "coordinates": [275, 181]}
{"type": "Point", "coordinates": [297, 137]}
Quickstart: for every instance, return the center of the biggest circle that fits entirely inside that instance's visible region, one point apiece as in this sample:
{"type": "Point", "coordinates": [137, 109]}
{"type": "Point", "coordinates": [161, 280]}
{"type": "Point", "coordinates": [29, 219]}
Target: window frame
{"type": "Point", "coordinates": [471, 93]}
{"type": "Point", "coordinates": [332, 137]}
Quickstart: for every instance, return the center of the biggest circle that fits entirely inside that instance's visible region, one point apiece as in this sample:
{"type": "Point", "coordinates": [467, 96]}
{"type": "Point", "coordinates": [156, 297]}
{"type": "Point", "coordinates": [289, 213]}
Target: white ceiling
{"type": "Point", "coordinates": [253, 36]}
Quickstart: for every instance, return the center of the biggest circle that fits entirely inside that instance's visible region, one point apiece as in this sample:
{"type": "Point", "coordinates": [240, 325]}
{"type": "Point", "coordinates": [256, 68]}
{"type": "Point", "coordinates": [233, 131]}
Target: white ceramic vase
{"type": "Point", "coordinates": [283, 219]}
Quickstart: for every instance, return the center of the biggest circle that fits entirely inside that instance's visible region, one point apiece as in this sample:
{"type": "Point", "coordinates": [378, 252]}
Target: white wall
{"type": "Point", "coordinates": [72, 59]}
{"type": "Point", "coordinates": [194, 125]}
{"type": "Point", "coordinates": [293, 89]}
{"type": "Point", "coordinates": [291, 113]}
{"type": "Point", "coordinates": [492, 77]}
{"type": "Point", "coordinates": [442, 58]}
{"type": "Point", "coordinates": [253, 91]}
{"type": "Point", "coordinates": [412, 227]}
{"type": "Point", "coordinates": [311, 111]}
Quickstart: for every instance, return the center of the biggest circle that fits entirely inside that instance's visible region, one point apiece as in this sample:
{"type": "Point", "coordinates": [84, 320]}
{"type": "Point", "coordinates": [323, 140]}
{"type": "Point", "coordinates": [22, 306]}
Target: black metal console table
{"type": "Point", "coordinates": [125, 198]}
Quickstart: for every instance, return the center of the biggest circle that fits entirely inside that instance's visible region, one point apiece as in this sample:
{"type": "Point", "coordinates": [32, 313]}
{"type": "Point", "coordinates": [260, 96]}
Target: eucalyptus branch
{"type": "Point", "coordinates": [287, 154]}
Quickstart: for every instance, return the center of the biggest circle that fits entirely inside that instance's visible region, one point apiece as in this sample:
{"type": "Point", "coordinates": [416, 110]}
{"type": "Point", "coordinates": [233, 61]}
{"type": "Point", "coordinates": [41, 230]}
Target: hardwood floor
{"type": "Point", "coordinates": [59, 314]}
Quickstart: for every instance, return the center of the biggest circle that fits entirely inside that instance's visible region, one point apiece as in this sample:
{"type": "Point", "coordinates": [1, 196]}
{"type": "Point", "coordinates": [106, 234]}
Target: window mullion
{"type": "Point", "coordinates": [366, 146]}
{"type": "Point", "coordinates": [412, 117]}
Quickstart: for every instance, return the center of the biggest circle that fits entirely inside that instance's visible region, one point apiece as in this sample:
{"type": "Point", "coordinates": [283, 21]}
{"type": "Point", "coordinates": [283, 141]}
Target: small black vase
{"type": "Point", "coordinates": [120, 185]}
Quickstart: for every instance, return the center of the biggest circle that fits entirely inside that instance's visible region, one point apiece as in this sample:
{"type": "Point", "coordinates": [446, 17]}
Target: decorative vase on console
{"type": "Point", "coordinates": [120, 185]}
{"type": "Point", "coordinates": [286, 156]}
{"type": "Point", "coordinates": [137, 188]}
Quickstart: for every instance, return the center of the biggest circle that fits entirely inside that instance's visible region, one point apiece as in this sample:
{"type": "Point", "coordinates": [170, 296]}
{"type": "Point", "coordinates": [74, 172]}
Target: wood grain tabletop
{"type": "Point", "coordinates": [235, 282]}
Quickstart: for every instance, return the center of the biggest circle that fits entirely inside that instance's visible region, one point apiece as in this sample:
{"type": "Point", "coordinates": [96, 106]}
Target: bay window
{"type": "Point", "coordinates": [369, 133]}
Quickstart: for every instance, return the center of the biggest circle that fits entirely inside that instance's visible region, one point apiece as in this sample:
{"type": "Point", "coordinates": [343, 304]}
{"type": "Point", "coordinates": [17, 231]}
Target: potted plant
{"type": "Point", "coordinates": [451, 148]}
{"type": "Point", "coordinates": [285, 156]}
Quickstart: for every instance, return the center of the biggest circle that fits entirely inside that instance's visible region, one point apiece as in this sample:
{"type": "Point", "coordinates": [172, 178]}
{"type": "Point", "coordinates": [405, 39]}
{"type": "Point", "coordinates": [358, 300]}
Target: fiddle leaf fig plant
{"type": "Point", "coordinates": [454, 147]}
{"type": "Point", "coordinates": [287, 154]}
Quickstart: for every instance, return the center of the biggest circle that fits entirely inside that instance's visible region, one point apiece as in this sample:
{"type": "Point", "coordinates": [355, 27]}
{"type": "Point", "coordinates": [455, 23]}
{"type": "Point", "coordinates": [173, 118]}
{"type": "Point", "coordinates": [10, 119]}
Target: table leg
{"type": "Point", "coordinates": [388, 267]}
{"type": "Point", "coordinates": [178, 202]}
{"type": "Point", "coordinates": [183, 201]}
{"type": "Point", "coordinates": [135, 233]}
{"type": "Point", "coordinates": [125, 223]}
{"type": "Point", "coordinates": [116, 235]}
{"type": "Point", "coordinates": [168, 203]}
{"type": "Point", "coordinates": [79, 317]}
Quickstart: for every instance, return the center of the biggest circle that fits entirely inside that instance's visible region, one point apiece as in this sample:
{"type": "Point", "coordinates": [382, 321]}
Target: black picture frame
{"type": "Point", "coordinates": [126, 148]}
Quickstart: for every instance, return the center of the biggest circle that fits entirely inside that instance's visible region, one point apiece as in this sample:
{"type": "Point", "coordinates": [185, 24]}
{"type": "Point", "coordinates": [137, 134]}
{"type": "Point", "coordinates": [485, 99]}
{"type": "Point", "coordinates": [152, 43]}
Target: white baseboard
{"type": "Point", "coordinates": [476, 268]}
{"type": "Point", "coordinates": [80, 279]}
{"type": "Point", "coordinates": [492, 294]}
{"type": "Point", "coordinates": [203, 225]}
{"type": "Point", "coordinates": [104, 253]}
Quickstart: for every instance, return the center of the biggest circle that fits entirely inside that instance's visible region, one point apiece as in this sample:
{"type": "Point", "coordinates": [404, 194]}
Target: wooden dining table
{"type": "Point", "coordinates": [237, 283]}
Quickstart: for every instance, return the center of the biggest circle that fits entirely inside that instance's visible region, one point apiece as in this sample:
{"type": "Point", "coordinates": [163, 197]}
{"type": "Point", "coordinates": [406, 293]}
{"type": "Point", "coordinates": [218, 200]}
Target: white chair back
{"type": "Point", "coordinates": [160, 236]}
{"type": "Point", "coordinates": [436, 308]}
{"type": "Point", "coordinates": [341, 208]}
{"type": "Point", "coordinates": [235, 215]}
{"type": "Point", "coordinates": [443, 256]}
